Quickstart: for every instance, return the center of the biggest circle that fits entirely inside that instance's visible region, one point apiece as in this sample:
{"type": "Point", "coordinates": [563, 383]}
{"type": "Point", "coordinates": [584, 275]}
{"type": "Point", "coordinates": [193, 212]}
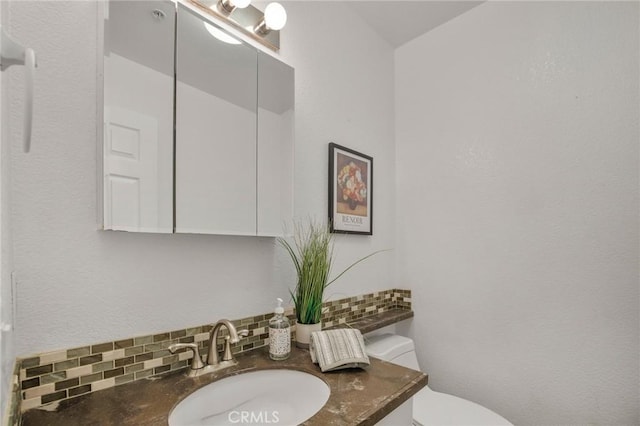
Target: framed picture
{"type": "Point", "coordinates": [350, 191]}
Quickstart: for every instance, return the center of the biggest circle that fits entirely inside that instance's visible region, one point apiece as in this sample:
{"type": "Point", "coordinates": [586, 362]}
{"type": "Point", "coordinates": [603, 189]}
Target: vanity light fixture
{"type": "Point", "coordinates": [242, 16]}
{"type": "Point", "coordinates": [275, 18]}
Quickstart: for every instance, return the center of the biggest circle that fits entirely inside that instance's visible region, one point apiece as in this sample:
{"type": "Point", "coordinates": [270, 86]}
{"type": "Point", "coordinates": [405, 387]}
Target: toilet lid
{"type": "Point", "coordinates": [435, 408]}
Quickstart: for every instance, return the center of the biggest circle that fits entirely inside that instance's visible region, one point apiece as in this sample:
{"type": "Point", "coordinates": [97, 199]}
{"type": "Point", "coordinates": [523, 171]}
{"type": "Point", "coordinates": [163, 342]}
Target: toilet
{"type": "Point", "coordinates": [430, 408]}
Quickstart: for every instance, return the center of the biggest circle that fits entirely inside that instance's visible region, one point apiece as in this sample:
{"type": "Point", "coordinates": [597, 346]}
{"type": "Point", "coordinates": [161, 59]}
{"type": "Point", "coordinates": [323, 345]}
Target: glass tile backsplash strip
{"type": "Point", "coordinates": [63, 374]}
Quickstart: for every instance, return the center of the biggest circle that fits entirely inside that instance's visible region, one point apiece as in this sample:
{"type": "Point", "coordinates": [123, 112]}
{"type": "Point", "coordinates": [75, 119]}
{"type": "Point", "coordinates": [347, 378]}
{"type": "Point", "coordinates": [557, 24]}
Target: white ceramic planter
{"type": "Point", "coordinates": [303, 334]}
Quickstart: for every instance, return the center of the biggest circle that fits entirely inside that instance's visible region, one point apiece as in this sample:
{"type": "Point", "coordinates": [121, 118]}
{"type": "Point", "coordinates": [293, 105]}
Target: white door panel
{"type": "Point", "coordinates": [130, 171]}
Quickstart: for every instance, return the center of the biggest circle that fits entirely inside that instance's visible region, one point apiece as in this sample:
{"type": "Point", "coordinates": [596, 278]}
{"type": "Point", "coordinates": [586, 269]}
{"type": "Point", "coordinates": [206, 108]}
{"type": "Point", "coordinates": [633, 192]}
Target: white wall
{"type": "Point", "coordinates": [344, 94]}
{"type": "Point", "coordinates": [78, 285]}
{"type": "Point", "coordinates": [5, 360]}
{"type": "Point", "coordinates": [517, 152]}
{"type": "Point", "coordinates": [6, 253]}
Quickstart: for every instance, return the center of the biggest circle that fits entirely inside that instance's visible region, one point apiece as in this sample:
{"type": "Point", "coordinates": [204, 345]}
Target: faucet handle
{"type": "Point", "coordinates": [196, 363]}
{"type": "Point", "coordinates": [228, 356]}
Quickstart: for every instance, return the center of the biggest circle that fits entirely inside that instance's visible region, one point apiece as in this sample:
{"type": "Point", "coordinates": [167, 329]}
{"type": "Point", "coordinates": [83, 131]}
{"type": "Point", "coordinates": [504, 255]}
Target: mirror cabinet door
{"type": "Point", "coordinates": [275, 145]}
{"type": "Point", "coordinates": [216, 86]}
{"type": "Point", "coordinates": [138, 116]}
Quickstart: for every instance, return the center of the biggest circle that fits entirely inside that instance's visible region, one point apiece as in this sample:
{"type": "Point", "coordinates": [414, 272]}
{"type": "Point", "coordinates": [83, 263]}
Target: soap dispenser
{"type": "Point", "coordinates": [279, 334]}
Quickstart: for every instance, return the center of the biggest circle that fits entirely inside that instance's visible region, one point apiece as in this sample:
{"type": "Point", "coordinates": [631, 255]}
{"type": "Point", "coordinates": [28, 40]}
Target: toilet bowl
{"type": "Point", "coordinates": [431, 408]}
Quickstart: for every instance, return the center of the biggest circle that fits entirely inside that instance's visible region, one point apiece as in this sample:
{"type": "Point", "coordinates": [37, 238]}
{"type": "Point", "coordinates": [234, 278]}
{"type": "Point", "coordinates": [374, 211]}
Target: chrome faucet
{"type": "Point", "coordinates": [212, 357]}
{"type": "Point", "coordinates": [198, 368]}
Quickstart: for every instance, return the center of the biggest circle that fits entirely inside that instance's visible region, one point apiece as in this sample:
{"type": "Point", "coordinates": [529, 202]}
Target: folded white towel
{"type": "Point", "coordinates": [337, 349]}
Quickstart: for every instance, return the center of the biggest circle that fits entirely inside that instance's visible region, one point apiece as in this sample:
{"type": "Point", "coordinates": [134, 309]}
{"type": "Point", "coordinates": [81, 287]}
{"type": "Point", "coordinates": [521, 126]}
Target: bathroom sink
{"type": "Point", "coordinates": [285, 397]}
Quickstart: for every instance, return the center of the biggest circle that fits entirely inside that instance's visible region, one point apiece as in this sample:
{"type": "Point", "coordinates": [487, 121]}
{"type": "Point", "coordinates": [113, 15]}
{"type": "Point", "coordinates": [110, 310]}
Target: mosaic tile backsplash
{"type": "Point", "coordinates": [59, 375]}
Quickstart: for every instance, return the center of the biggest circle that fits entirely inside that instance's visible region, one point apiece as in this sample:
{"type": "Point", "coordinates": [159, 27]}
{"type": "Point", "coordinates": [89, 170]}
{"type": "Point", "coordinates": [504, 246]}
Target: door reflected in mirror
{"type": "Point", "coordinates": [138, 116]}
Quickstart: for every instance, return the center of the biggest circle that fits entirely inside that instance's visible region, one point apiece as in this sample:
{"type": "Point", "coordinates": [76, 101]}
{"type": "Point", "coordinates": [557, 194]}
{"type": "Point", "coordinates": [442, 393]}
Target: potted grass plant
{"type": "Point", "coordinates": [312, 254]}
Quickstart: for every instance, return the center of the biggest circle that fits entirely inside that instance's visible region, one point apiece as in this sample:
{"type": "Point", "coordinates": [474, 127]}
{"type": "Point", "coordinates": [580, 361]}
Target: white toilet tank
{"type": "Point", "coordinates": [431, 408]}
{"type": "Point", "coordinates": [393, 348]}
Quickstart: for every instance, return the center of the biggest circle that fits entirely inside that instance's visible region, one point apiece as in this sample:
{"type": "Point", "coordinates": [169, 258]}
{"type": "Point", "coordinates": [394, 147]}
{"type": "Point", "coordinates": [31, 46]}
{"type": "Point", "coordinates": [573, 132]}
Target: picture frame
{"type": "Point", "coordinates": [350, 191]}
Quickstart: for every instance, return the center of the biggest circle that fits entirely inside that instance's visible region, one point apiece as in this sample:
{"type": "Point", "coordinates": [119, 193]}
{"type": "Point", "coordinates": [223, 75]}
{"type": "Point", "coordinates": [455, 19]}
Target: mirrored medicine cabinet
{"type": "Point", "coordinates": [196, 125]}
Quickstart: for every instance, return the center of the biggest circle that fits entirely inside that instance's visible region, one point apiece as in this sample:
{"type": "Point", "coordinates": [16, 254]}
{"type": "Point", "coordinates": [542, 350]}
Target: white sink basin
{"type": "Point", "coordinates": [285, 397]}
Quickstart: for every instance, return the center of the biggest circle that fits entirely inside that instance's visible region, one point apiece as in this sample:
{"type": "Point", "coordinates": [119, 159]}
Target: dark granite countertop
{"type": "Point", "coordinates": [358, 397]}
{"type": "Point", "coordinates": [377, 321]}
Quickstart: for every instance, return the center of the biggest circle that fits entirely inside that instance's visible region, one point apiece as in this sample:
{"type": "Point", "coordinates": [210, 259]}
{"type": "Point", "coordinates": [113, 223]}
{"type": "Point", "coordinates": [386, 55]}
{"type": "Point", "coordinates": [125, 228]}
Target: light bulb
{"type": "Point", "coordinates": [241, 4]}
{"type": "Point", "coordinates": [275, 17]}
{"type": "Point", "coordinates": [228, 6]}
